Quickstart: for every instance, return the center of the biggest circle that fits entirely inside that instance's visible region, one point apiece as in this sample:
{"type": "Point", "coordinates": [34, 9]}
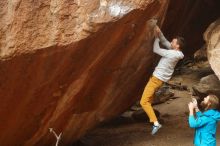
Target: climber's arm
{"type": "Point", "coordinates": [162, 38]}
{"type": "Point", "coordinates": [158, 50]}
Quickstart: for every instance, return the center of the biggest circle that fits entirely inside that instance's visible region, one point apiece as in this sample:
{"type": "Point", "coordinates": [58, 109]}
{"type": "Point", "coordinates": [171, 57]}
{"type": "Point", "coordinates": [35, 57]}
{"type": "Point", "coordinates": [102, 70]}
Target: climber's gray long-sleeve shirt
{"type": "Point", "coordinates": [167, 63]}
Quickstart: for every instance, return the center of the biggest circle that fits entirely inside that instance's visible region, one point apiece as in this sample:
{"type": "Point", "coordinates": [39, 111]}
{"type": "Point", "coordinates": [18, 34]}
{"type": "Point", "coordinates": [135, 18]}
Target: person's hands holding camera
{"type": "Point", "coordinates": [195, 103]}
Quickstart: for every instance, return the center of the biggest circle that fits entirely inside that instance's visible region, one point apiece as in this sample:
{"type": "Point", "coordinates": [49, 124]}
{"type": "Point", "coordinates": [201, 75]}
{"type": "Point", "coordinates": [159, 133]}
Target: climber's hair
{"type": "Point", "coordinates": [214, 102]}
{"type": "Point", "coordinates": [181, 42]}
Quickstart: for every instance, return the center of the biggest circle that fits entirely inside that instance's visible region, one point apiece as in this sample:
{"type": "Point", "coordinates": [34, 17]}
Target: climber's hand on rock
{"type": "Point", "coordinates": [157, 31]}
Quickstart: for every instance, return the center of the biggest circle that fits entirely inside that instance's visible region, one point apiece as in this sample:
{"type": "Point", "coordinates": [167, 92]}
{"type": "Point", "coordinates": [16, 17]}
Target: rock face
{"type": "Point", "coordinates": [208, 85]}
{"type": "Point", "coordinates": [70, 65]}
{"type": "Point", "coordinates": [201, 54]}
{"type": "Point", "coordinates": [190, 19]}
{"type": "Point", "coordinates": [212, 38]}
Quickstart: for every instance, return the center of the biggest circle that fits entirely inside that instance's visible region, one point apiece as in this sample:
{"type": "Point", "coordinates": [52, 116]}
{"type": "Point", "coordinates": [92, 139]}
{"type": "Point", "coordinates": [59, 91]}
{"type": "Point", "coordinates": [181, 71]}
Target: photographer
{"type": "Point", "coordinates": [204, 123]}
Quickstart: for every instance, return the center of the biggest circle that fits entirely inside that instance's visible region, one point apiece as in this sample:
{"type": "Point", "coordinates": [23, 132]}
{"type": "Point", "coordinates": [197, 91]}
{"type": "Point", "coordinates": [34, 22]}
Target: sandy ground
{"type": "Point", "coordinates": [175, 130]}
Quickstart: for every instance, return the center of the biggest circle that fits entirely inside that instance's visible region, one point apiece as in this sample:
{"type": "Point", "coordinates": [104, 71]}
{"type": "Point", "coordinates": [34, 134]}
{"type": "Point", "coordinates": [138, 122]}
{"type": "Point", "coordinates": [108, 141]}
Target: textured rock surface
{"type": "Point", "coordinates": [201, 54]}
{"type": "Point", "coordinates": [190, 19]}
{"type": "Point", "coordinates": [208, 85]}
{"type": "Point", "coordinates": [70, 65]}
{"type": "Point", "coordinates": [212, 38]}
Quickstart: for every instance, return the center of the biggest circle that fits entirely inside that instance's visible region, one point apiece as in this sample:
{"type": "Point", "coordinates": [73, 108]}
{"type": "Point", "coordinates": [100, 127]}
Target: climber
{"type": "Point", "coordinates": [205, 123]}
{"type": "Point", "coordinates": [162, 72]}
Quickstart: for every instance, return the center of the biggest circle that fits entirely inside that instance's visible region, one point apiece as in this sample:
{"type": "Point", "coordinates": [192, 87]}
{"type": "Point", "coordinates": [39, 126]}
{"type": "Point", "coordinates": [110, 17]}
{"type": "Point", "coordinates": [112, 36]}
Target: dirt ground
{"type": "Point", "coordinates": [175, 130]}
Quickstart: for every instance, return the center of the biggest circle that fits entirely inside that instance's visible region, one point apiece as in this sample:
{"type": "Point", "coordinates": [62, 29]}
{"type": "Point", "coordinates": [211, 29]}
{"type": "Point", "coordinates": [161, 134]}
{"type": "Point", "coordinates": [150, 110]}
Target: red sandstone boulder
{"type": "Point", "coordinates": [70, 65]}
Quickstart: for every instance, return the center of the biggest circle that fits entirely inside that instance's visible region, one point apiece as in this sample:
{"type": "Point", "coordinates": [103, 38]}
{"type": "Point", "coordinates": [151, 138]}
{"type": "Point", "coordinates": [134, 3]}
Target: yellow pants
{"type": "Point", "coordinates": [148, 96]}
